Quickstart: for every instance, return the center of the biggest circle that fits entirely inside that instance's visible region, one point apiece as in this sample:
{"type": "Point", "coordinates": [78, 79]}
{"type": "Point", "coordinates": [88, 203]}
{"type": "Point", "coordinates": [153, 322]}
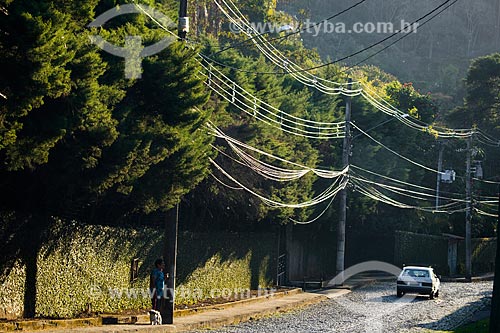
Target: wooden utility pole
{"type": "Point", "coordinates": [468, 214]}
{"type": "Point", "coordinates": [343, 193]}
{"type": "Point", "coordinates": [495, 301]}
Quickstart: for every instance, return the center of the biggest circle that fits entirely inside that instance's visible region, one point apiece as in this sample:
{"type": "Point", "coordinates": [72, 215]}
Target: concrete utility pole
{"type": "Point", "coordinates": [440, 169]}
{"type": "Point", "coordinates": [343, 193]}
{"type": "Point", "coordinates": [170, 257]}
{"type": "Point", "coordinates": [172, 219]}
{"type": "Point", "coordinates": [183, 27]}
{"type": "Point", "coordinates": [468, 214]}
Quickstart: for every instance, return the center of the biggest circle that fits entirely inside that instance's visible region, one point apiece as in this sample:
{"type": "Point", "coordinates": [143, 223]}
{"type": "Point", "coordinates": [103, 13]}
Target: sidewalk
{"type": "Point", "coordinates": [195, 319]}
{"type": "Point", "coordinates": [202, 318]}
{"type": "Point", "coordinates": [222, 315]}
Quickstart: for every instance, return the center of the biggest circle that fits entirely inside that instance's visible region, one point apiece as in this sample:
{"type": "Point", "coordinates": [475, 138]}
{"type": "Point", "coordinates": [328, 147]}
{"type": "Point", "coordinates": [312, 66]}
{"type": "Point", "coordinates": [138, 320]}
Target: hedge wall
{"type": "Point", "coordinates": [433, 250]}
{"type": "Point", "coordinates": [11, 292]}
{"type": "Point", "coordinates": [88, 268]}
{"type": "Point", "coordinates": [412, 248]}
{"type": "Point", "coordinates": [483, 255]}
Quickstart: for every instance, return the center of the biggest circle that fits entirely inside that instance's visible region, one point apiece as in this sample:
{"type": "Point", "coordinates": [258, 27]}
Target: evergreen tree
{"type": "Point", "coordinates": [78, 133]}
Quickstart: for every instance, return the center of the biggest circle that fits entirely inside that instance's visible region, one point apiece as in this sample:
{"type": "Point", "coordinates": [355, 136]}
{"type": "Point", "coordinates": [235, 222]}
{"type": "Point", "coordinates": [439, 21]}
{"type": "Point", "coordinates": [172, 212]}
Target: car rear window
{"type": "Point", "coordinates": [416, 273]}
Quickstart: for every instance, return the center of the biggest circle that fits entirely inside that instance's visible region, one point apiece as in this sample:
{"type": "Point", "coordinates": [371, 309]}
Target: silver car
{"type": "Point", "coordinates": [418, 280]}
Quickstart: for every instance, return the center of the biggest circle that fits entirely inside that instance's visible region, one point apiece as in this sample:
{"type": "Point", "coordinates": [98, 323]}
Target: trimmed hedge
{"type": "Point", "coordinates": [412, 248]}
{"type": "Point", "coordinates": [86, 267]}
{"type": "Point", "coordinates": [433, 250]}
{"type": "Point", "coordinates": [12, 292]}
{"type": "Point", "coordinates": [483, 255]}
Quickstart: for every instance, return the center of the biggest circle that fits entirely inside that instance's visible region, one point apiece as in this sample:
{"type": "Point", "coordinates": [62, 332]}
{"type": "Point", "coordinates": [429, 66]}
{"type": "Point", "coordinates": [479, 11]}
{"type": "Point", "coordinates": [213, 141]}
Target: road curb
{"type": "Point", "coordinates": [308, 299]}
{"type": "Point", "coordinates": [39, 325]}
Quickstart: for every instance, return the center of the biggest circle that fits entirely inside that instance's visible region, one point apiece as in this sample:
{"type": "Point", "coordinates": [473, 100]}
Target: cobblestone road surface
{"type": "Point", "coordinates": [375, 308]}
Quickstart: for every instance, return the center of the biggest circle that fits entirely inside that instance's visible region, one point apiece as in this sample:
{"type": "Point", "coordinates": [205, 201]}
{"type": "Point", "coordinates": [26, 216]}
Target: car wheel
{"type": "Point", "coordinates": [399, 293]}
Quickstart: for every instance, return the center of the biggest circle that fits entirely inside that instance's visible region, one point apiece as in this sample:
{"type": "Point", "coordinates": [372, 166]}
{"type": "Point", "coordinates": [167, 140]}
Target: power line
{"type": "Point", "coordinates": [255, 107]}
{"type": "Point", "coordinates": [403, 182]}
{"type": "Point", "coordinates": [391, 110]}
{"type": "Point", "coordinates": [302, 70]}
{"type": "Point", "coordinates": [401, 38]}
{"type": "Point", "coordinates": [392, 151]}
{"type": "Point", "coordinates": [292, 33]}
{"type": "Point", "coordinates": [331, 191]}
{"type": "Point", "coordinates": [362, 187]}
{"type": "Point", "coordinates": [260, 167]}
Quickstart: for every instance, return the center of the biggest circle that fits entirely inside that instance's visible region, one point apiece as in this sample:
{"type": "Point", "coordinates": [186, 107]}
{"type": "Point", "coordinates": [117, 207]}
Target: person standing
{"type": "Point", "coordinates": [157, 284]}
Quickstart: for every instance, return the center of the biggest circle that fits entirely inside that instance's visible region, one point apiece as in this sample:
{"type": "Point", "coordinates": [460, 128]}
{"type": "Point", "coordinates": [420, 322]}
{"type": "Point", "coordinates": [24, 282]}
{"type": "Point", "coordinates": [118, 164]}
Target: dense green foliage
{"type": "Point", "coordinates": [224, 207]}
{"type": "Point", "coordinates": [435, 58]}
{"type": "Point", "coordinates": [477, 327]}
{"type": "Point", "coordinates": [77, 138]}
{"type": "Point", "coordinates": [83, 264]}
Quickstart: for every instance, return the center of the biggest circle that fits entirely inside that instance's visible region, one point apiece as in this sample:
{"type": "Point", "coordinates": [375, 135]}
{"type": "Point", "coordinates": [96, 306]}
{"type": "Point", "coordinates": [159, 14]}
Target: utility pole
{"type": "Point", "coordinates": [440, 169]}
{"type": "Point", "coordinates": [468, 213]}
{"type": "Point", "coordinates": [343, 193]}
{"type": "Point", "coordinates": [172, 219]}
{"type": "Point", "coordinates": [170, 257]}
{"type": "Point", "coordinates": [183, 27]}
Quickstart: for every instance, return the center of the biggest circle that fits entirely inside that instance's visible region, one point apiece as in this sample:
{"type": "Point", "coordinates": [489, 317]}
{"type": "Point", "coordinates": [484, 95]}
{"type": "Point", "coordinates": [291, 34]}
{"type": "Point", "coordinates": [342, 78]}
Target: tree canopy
{"type": "Point", "coordinates": [79, 140]}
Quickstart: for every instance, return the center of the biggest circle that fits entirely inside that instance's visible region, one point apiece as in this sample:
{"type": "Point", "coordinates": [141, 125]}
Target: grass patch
{"type": "Point", "coordinates": [481, 326]}
{"type": "Point", "coordinates": [477, 327]}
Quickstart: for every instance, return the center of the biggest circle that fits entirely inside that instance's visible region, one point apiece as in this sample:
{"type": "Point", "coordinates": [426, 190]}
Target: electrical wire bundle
{"type": "Point", "coordinates": [267, 170]}
{"type": "Point", "coordinates": [265, 112]}
{"type": "Point", "coordinates": [385, 186]}
{"type": "Point", "coordinates": [233, 14]}
{"type": "Point", "coordinates": [377, 190]}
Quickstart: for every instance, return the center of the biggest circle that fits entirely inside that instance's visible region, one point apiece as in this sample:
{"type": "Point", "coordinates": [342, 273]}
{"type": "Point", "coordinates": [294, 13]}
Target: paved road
{"type": "Point", "coordinates": [375, 308]}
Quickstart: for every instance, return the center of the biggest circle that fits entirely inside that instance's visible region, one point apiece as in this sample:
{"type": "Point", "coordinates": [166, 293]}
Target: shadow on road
{"type": "Point", "coordinates": [462, 316]}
